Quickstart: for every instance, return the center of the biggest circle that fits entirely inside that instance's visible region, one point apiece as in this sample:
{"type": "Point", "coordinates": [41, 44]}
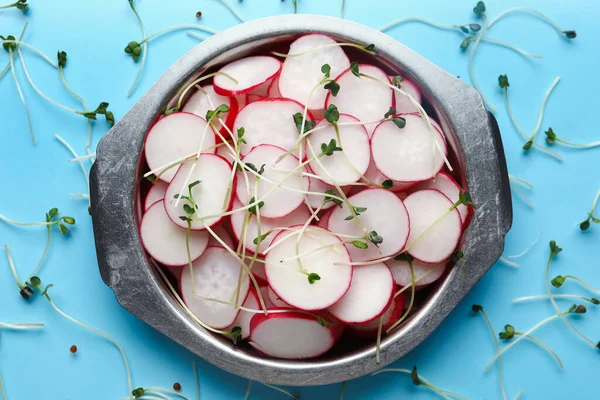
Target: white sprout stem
{"type": "Point", "coordinates": [521, 254]}
{"type": "Point", "coordinates": [411, 302]}
{"type": "Point", "coordinates": [2, 392]}
{"type": "Point", "coordinates": [166, 390]}
{"type": "Point", "coordinates": [81, 158]}
{"type": "Point", "coordinates": [318, 48]}
{"type": "Point", "coordinates": [280, 390]}
{"type": "Point", "coordinates": [519, 180]}
{"type": "Point", "coordinates": [27, 45]}
{"type": "Point", "coordinates": [545, 347]}
{"type": "Point", "coordinates": [427, 382]}
{"type": "Point", "coordinates": [497, 346]}
{"type": "Point", "coordinates": [154, 395]}
{"type": "Point", "coordinates": [74, 153]}
{"type": "Point", "coordinates": [518, 396]}
{"type": "Point", "coordinates": [13, 222]}
{"type": "Point", "coordinates": [197, 35]}
{"type": "Point", "coordinates": [471, 73]}
{"type": "Point", "coordinates": [14, 74]}
{"type": "Point", "coordinates": [509, 262]}
{"type": "Point", "coordinates": [7, 66]}
{"type": "Point", "coordinates": [247, 395]}
{"type": "Point", "coordinates": [583, 283]}
{"type": "Point", "coordinates": [80, 195]}
{"type": "Point", "coordinates": [203, 78]}
{"type": "Point", "coordinates": [528, 10]}
{"type": "Point", "coordinates": [523, 134]}
{"type": "Point", "coordinates": [508, 46]}
{"type": "Point", "coordinates": [418, 19]}
{"type": "Point", "coordinates": [196, 380]}
{"type": "Point", "coordinates": [69, 88]}
{"type": "Point", "coordinates": [523, 195]}
{"type": "Point", "coordinates": [593, 208]}
{"type": "Point", "coordinates": [144, 52]}
{"type": "Point", "coordinates": [543, 106]}
{"type": "Point", "coordinates": [43, 257]}
{"type": "Point", "coordinates": [232, 10]}
{"type": "Point", "coordinates": [417, 279]}
{"type": "Point", "coordinates": [545, 297]}
{"type": "Point", "coordinates": [378, 345]}
{"type": "Point", "coordinates": [22, 325]}
{"type": "Point", "coordinates": [176, 28]}
{"type": "Point", "coordinates": [11, 264]}
{"type": "Point", "coordinates": [342, 17]}
{"type": "Point", "coordinates": [106, 336]}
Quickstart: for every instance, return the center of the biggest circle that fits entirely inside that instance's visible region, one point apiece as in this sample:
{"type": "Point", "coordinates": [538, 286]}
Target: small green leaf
{"type": "Point", "coordinates": [571, 34]}
{"type": "Point", "coordinates": [558, 281]}
{"type": "Point", "coordinates": [527, 146]}
{"type": "Point", "coordinates": [214, 114]}
{"type": "Point", "coordinates": [102, 107]}
{"type": "Point", "coordinates": [465, 43]}
{"type": "Point", "coordinates": [550, 136]}
{"type": "Point", "coordinates": [354, 69]}
{"type": "Point", "coordinates": [585, 225]}
{"type": "Point", "coordinates": [240, 132]}
{"type": "Point", "coordinates": [475, 27]}
{"type": "Point", "coordinates": [400, 122]}
{"type": "Point", "coordinates": [261, 238]}
{"type": "Point", "coordinates": [464, 29]}
{"type": "Point", "coordinates": [509, 332]}
{"type": "Point", "coordinates": [193, 185]}
{"type": "Point", "coordinates": [503, 81]}
{"type": "Point", "coordinates": [595, 301]}
{"type": "Point", "coordinates": [308, 125]}
{"type": "Point", "coordinates": [333, 87]}
{"type": "Point", "coordinates": [169, 111]}
{"type": "Point", "coordinates": [110, 118]}
{"type": "Point", "coordinates": [391, 112]}
{"type": "Point", "coordinates": [387, 184]}
{"type": "Point", "coordinates": [63, 229]}
{"type": "Point", "coordinates": [476, 308]}
{"type": "Point", "coordinates": [188, 209]}
{"type": "Point", "coordinates": [331, 114]}
{"type": "Point", "coordinates": [326, 69]}
{"type": "Point", "coordinates": [236, 332]}
{"type": "Point", "coordinates": [479, 9]}
{"type": "Point", "coordinates": [62, 58]}
{"type": "Point", "coordinates": [137, 393]}
{"type": "Point", "coordinates": [360, 210]}
{"type": "Point", "coordinates": [595, 220]}
{"type": "Point", "coordinates": [457, 255]}
{"type": "Point", "coordinates": [69, 220]}
{"type": "Point", "coordinates": [375, 238]}
{"type": "Point", "coordinates": [328, 198]}
{"type": "Point", "coordinates": [370, 48]}
{"type": "Point", "coordinates": [404, 257]}
{"type": "Point", "coordinates": [465, 199]}
{"type": "Point", "coordinates": [253, 209]}
{"type": "Point", "coordinates": [323, 322]}
{"type": "Point", "coordinates": [397, 80]}
{"type": "Point", "coordinates": [35, 283]}
{"type": "Point", "coordinates": [359, 244]}
{"type": "Point", "coordinates": [572, 308]}
{"type": "Point", "coordinates": [313, 277]}
{"type": "Point", "coordinates": [329, 148]}
{"type": "Point", "coordinates": [554, 248]}
{"type": "Point", "coordinates": [53, 212]}
{"type": "Point", "coordinates": [415, 376]}
{"type": "Point", "coordinates": [46, 289]}
{"type": "Point", "coordinates": [9, 46]}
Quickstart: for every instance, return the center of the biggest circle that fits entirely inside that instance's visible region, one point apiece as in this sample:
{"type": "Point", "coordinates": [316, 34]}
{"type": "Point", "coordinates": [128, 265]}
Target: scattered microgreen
{"type": "Point", "coordinates": [254, 208]}
{"type": "Point", "coordinates": [387, 184]}
{"type": "Point", "coordinates": [138, 392]}
{"type": "Point", "coordinates": [400, 122]}
{"type": "Point", "coordinates": [260, 238]}
{"type": "Point", "coordinates": [508, 333]}
{"type": "Point", "coordinates": [236, 332]}
{"type": "Point", "coordinates": [134, 49]}
{"type": "Point", "coordinates": [359, 244]}
{"type": "Point", "coordinates": [333, 87]}
{"type": "Point", "coordinates": [414, 375]}
{"type": "Point", "coordinates": [328, 197]}
{"type": "Point", "coordinates": [313, 277]}
{"type": "Point", "coordinates": [331, 114]}
{"type": "Point", "coordinates": [326, 70]}
{"type": "Point", "coordinates": [355, 69]}
{"type": "Point", "coordinates": [240, 135]}
{"type": "Point", "coordinates": [479, 9]}
{"type": "Point", "coordinates": [8, 43]}
{"type": "Point", "coordinates": [102, 109]}
{"type": "Point", "coordinates": [375, 238]}
{"type": "Point", "coordinates": [216, 113]}
{"type": "Point", "coordinates": [503, 81]}
{"type": "Point", "coordinates": [570, 34]}
{"type": "Point", "coordinates": [308, 125]}
{"type": "Point", "coordinates": [357, 211]}
{"type": "Point", "coordinates": [327, 149]}
{"type": "Point", "coordinates": [558, 281]}
{"type": "Point", "coordinates": [20, 5]}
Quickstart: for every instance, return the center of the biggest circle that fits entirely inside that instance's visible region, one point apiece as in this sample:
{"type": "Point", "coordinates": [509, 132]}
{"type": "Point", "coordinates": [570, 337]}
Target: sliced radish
{"type": "Point", "coordinates": [346, 166]}
{"type": "Point", "coordinates": [324, 220]}
{"type": "Point", "coordinates": [407, 154]}
{"type": "Point", "coordinates": [222, 233]}
{"type": "Point", "coordinates": [215, 277]}
{"type": "Point", "coordinates": [242, 100]}
{"type": "Point", "coordinates": [290, 335]}
{"type": "Point", "coordinates": [176, 136]}
{"type": "Point", "coordinates": [385, 214]}
{"type": "Point", "coordinates": [269, 121]}
{"type": "Point", "coordinates": [401, 272]}
{"type": "Point", "coordinates": [250, 73]}
{"type": "Point", "coordinates": [258, 270]}
{"type": "Point", "coordinates": [366, 99]}
{"type": "Point", "coordinates": [375, 176]}
{"type": "Point", "coordinates": [427, 242]}
{"type": "Point", "coordinates": [282, 200]}
{"type": "Point", "coordinates": [369, 295]}
{"type": "Point", "coordinates": [210, 195]}
{"type": "Point", "coordinates": [224, 152]}
{"type": "Point", "coordinates": [244, 317]}
{"type": "Point", "coordinates": [264, 292]}
{"type": "Point", "coordinates": [165, 241]}
{"type": "Point", "coordinates": [403, 104]}
{"type": "Point", "coordinates": [275, 300]}
{"type": "Point", "coordinates": [318, 186]}
{"type": "Point", "coordinates": [447, 185]}
{"type": "Point", "coordinates": [206, 99]}
{"type": "Point", "coordinates": [273, 90]}
{"type": "Point", "coordinates": [330, 263]}
{"type": "Point", "coordinates": [263, 89]}
{"type": "Point", "coordinates": [255, 97]}
{"type": "Point", "coordinates": [157, 192]}
{"type": "Point", "coordinates": [391, 315]}
{"type": "Point", "coordinates": [301, 73]}
{"type": "Point", "coordinates": [296, 217]}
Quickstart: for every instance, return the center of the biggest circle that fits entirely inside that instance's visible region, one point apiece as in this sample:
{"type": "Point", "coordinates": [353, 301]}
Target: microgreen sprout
{"type": "Point", "coordinates": [230, 8]}
{"type": "Point", "coordinates": [570, 34]}
{"type": "Point", "coordinates": [515, 183]}
{"type": "Point", "coordinates": [357, 211]}
{"type": "Point", "coordinates": [585, 224]}
{"type": "Point", "coordinates": [420, 380]}
{"type": "Point", "coordinates": [359, 244]}
{"type": "Point", "coordinates": [136, 50]}
{"type": "Point", "coordinates": [308, 125]}
{"type": "Point", "coordinates": [236, 332]}
{"type": "Point", "coordinates": [354, 68]}
{"type": "Point", "coordinates": [331, 114]}
{"type": "Point", "coordinates": [313, 277]}
{"type": "Point", "coordinates": [18, 86]}
{"type": "Point", "coordinates": [375, 238]}
{"type": "Point", "coordinates": [329, 197]}
{"type": "Point", "coordinates": [19, 4]}
{"type": "Point", "coordinates": [552, 138]}
{"type": "Point", "coordinates": [510, 332]}
{"type": "Point", "coordinates": [479, 10]}
{"type": "Point", "coordinates": [327, 149]}
{"type": "Point", "coordinates": [256, 206]}
{"type": "Point", "coordinates": [387, 184]}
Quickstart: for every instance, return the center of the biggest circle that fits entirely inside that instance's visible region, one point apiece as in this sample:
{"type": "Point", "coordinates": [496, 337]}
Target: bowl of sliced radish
{"type": "Point", "coordinates": [300, 200]}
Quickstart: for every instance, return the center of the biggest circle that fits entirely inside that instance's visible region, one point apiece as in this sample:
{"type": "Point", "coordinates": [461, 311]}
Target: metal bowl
{"type": "Point", "coordinates": [472, 134]}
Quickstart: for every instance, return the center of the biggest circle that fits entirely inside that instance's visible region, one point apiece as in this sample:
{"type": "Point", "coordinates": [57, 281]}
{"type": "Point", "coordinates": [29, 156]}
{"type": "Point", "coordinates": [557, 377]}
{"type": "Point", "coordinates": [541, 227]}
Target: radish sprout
{"type": "Point", "coordinates": [196, 380]}
{"type": "Point", "coordinates": [21, 325]}
{"type": "Point", "coordinates": [509, 262]}
{"type": "Point", "coordinates": [280, 389]}
{"type": "Point", "coordinates": [197, 35]}
{"type": "Point", "coordinates": [7, 66]}
{"type": "Point", "coordinates": [420, 380]}
{"type": "Point", "coordinates": [518, 396]}
{"type": "Point", "coordinates": [559, 280]}
{"type": "Point", "coordinates": [86, 157]}
{"type": "Point", "coordinates": [585, 225]}
{"type": "Point", "coordinates": [342, 17]}
{"type": "Point", "coordinates": [76, 156]}
{"type": "Point", "coordinates": [408, 258]}
{"type": "Point", "coordinates": [529, 143]}
{"type": "Point", "coordinates": [510, 332]}
{"type": "Point", "coordinates": [592, 300]}
{"type": "Point", "coordinates": [463, 28]}
{"type": "Point", "coordinates": [467, 41]}
{"type": "Point", "coordinates": [23, 6]}
{"type": "Point", "coordinates": [568, 34]}
{"type": "Point", "coordinates": [143, 49]}
{"type": "Point", "coordinates": [247, 395]}
{"type": "Point", "coordinates": [479, 10]}
{"type": "Point", "coordinates": [10, 41]}
{"type": "Point", "coordinates": [232, 10]}
{"type": "Point", "coordinates": [12, 69]}
{"type": "Point", "coordinates": [551, 138]}
{"type": "Point", "coordinates": [515, 182]}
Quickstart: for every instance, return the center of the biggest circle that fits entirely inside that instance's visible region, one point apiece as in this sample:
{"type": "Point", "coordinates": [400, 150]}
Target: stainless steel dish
{"type": "Point", "coordinates": [472, 133]}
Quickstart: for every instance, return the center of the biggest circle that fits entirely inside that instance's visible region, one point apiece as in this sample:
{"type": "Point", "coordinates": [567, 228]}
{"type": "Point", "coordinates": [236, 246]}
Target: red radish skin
{"type": "Point", "coordinates": [156, 193]}
{"type": "Point", "coordinates": [206, 99]}
{"type": "Point", "coordinates": [439, 241]}
{"type": "Point", "coordinates": [275, 300]}
{"type": "Point", "coordinates": [385, 214]}
{"type": "Point", "coordinates": [447, 185]}
{"type": "Point", "coordinates": [290, 335]}
{"type": "Point", "coordinates": [258, 270]}
{"type": "Point", "coordinates": [402, 277]}
{"type": "Point", "coordinates": [375, 176]}
{"type": "Point", "coordinates": [403, 104]}
{"type": "Point", "coordinates": [296, 217]}
{"type": "Point", "coordinates": [214, 173]}
{"type": "Point", "coordinates": [407, 154]}
{"type": "Point", "coordinates": [331, 264]}
{"type": "Point", "coordinates": [346, 166]}
{"type": "Point", "coordinates": [318, 186]}
{"type": "Point", "coordinates": [301, 73]}
{"type": "Point", "coordinates": [391, 315]}
{"type": "Point", "coordinates": [242, 100]}
{"type": "Point", "coordinates": [165, 242]}
{"type": "Point", "coordinates": [222, 233]}
{"type": "Point", "coordinates": [250, 73]}
{"type": "Point", "coordinates": [216, 277]}
{"type": "Point", "coordinates": [282, 201]}
{"type": "Point", "coordinates": [375, 98]}
{"type": "Point", "coordinates": [244, 317]}
{"type": "Point", "coordinates": [273, 90]}
{"type": "Point", "coordinates": [369, 296]}
{"type": "Point", "coordinates": [176, 136]}
{"type": "Point", "coordinates": [263, 89]}
{"type": "Point", "coordinates": [269, 121]}
{"type": "Point", "coordinates": [255, 97]}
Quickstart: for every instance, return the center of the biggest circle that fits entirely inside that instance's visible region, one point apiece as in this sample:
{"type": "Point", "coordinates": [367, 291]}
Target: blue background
{"type": "Point", "coordinates": [34, 178]}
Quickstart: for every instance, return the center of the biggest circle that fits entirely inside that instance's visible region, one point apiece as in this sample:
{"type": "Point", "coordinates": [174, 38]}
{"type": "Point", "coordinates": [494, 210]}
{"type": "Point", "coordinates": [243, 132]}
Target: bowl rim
{"type": "Point", "coordinates": [124, 265]}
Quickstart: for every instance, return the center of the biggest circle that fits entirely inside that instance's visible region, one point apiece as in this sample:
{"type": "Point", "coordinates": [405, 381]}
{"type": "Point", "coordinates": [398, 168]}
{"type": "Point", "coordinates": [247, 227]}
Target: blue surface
{"type": "Point", "coordinates": [35, 178]}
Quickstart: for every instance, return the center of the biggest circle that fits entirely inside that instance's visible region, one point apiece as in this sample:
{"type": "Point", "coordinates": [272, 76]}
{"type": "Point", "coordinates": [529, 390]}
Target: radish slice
{"type": "Point", "coordinates": [224, 152]}
{"type": "Point", "coordinates": [210, 195]}
{"type": "Point", "coordinates": [165, 241]}
{"type": "Point", "coordinates": [296, 217]}
{"type": "Point", "coordinates": [222, 233]}
{"type": "Point", "coordinates": [403, 103]}
{"type": "Point", "coordinates": [264, 292]}
{"type": "Point", "coordinates": [275, 300]}
{"type": "Point", "coordinates": [346, 166]}
{"type": "Point", "coordinates": [375, 176]}
{"type": "Point", "coordinates": [250, 73]}
{"type": "Point", "coordinates": [157, 192]}
{"type": "Point", "coordinates": [282, 200]}
{"type": "Point", "coordinates": [176, 136]}
{"type": "Point", "coordinates": [254, 98]}
{"type": "Point", "coordinates": [263, 89]}
{"type": "Point", "coordinates": [324, 220]}
{"type": "Point", "coordinates": [401, 272]}
{"type": "Point", "coordinates": [215, 277]}
{"type": "Point", "coordinates": [301, 73]}
{"type": "Point", "coordinates": [242, 100]}
{"type": "Point", "coordinates": [290, 335]}
{"type": "Point", "coordinates": [244, 317]}
{"type": "Point", "coordinates": [258, 270]}
{"type": "Point", "coordinates": [366, 99]}
{"type": "Point", "coordinates": [331, 264]}
{"type": "Point", "coordinates": [273, 91]}
{"type": "Point", "coordinates": [200, 103]}
{"type": "Point", "coordinates": [407, 154]}
{"type": "Point", "coordinates": [391, 315]}
{"type": "Point", "coordinates": [385, 214]}
{"type": "Point", "coordinates": [269, 121]}
{"type": "Point", "coordinates": [447, 185]}
{"type": "Point", "coordinates": [370, 294]}
{"type": "Point", "coordinates": [318, 186]}
{"type": "Point", "coordinates": [435, 242]}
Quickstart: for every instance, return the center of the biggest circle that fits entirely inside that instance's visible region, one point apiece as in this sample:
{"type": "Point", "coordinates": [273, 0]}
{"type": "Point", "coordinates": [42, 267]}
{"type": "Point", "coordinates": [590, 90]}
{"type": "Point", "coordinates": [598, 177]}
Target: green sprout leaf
{"type": "Point", "coordinates": [476, 308]}
{"type": "Point", "coordinates": [397, 80]}
{"type": "Point", "coordinates": [329, 193]}
{"type": "Point", "coordinates": [312, 278]}
{"type": "Point", "coordinates": [400, 122]}
{"type": "Point", "coordinates": [323, 322]}
{"type": "Point", "coordinates": [404, 257]}
{"type": "Point", "coordinates": [69, 220]}
{"type": "Point", "coordinates": [354, 69]}
{"type": "Point", "coordinates": [457, 255]}
{"type": "Point", "coordinates": [240, 135]}
{"type": "Point", "coordinates": [261, 238]}
{"type": "Point", "coordinates": [327, 149]}
{"type": "Point", "coordinates": [570, 34]}
{"type": "Point", "coordinates": [360, 244]}
{"type": "Point", "coordinates": [554, 248]}
{"type": "Point", "coordinates": [464, 198]}
{"type": "Point", "coordinates": [214, 114]}
{"type": "Point", "coordinates": [333, 87]}
{"type": "Point", "coordinates": [387, 184]}
{"type": "Point", "coordinates": [9, 46]}
{"type": "Point", "coordinates": [595, 301]}
{"type": "Point", "coordinates": [45, 291]}
{"type": "Point", "coordinates": [326, 70]}
{"type": "Point", "coordinates": [509, 332]}
{"type": "Point", "coordinates": [464, 29]}
{"type": "Point", "coordinates": [137, 393]}
{"type": "Point", "coordinates": [550, 136]}
{"type": "Point", "coordinates": [134, 49]}
{"type": "Point", "coordinates": [414, 375]}
{"type": "Point", "coordinates": [391, 112]}
{"type": "Point", "coordinates": [528, 145]}
{"type": "Point", "coordinates": [110, 118]}
{"type": "Point", "coordinates": [35, 283]}
{"type": "Point", "coordinates": [254, 208]}
{"type": "Point", "coordinates": [503, 81]}
{"type": "Point", "coordinates": [331, 114]}
{"type": "Point", "coordinates": [62, 58]}
{"type": "Point", "coordinates": [475, 27]}
{"type": "Point", "coordinates": [52, 213]}
{"type": "Point", "coordinates": [357, 211]}
{"type": "Point", "coordinates": [370, 48]}
{"type": "Point", "coordinates": [236, 332]}
{"type": "Point", "coordinates": [63, 229]}
{"type": "Point", "coordinates": [465, 43]}
{"type": "Point", "coordinates": [308, 125]}
{"type": "Point", "coordinates": [558, 281]}
{"type": "Point", "coordinates": [479, 9]}
{"type": "Point", "coordinates": [375, 238]}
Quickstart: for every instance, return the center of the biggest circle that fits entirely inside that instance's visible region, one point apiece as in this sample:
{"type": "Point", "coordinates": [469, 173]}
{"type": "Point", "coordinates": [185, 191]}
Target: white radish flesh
{"type": "Point", "coordinates": [157, 192]}
{"type": "Point", "coordinates": [425, 273]}
{"type": "Point", "coordinates": [301, 73]}
{"type": "Point", "coordinates": [176, 136]}
{"type": "Point", "coordinates": [345, 166]}
{"type": "Point", "coordinates": [290, 283]}
{"type": "Point", "coordinates": [269, 121]}
{"type": "Point", "coordinates": [324, 220]}
{"type": "Point", "coordinates": [250, 73]}
{"type": "Point", "coordinates": [318, 186]}
{"type": "Point", "coordinates": [222, 233]}
{"type": "Point", "coordinates": [206, 99]}
{"type": "Point", "coordinates": [215, 277]}
{"type": "Point", "coordinates": [210, 195]}
{"type": "Point", "coordinates": [385, 214]}
{"type": "Point", "coordinates": [428, 242]}
{"type": "Point", "coordinates": [403, 103]}
{"type": "Point", "coordinates": [364, 98]}
{"type": "Point", "coordinates": [275, 300]}
{"type": "Point", "coordinates": [391, 315]}
{"type": "Point", "coordinates": [408, 154]}
{"type": "Point", "coordinates": [447, 185]}
{"type": "Point", "coordinates": [244, 317]}
{"type": "Point", "coordinates": [296, 217]}
{"type": "Point", "coordinates": [375, 176]}
{"type": "Point", "coordinates": [370, 294]}
{"type": "Point", "coordinates": [165, 241]}
{"type": "Point", "coordinates": [290, 335]}
{"type": "Point", "coordinates": [282, 201]}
